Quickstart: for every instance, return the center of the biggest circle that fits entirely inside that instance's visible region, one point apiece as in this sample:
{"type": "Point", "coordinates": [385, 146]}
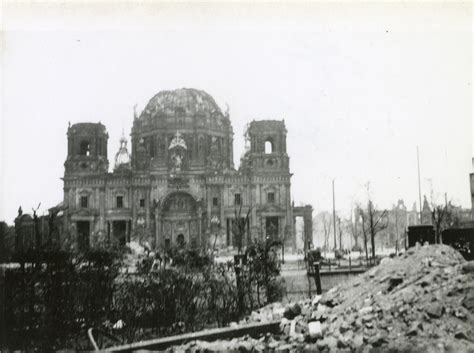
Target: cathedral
{"type": "Point", "coordinates": [178, 185]}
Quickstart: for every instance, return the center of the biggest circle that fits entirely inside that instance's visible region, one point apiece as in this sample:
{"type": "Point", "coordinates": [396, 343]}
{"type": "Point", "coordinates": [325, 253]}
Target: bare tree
{"type": "Point", "coordinates": [439, 215]}
{"type": "Point", "coordinates": [240, 225]}
{"type": "Point", "coordinates": [364, 231]}
{"type": "Point", "coordinates": [373, 221]}
{"type": "Point", "coordinates": [397, 232]}
{"type": "Point", "coordinates": [354, 230]}
{"type": "Point", "coordinates": [327, 231]}
{"type": "Point", "coordinates": [339, 230]}
{"type": "Point", "coordinates": [442, 217]}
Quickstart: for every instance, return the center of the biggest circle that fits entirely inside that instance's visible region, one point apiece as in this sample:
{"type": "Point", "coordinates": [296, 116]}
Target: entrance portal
{"type": "Point", "coordinates": [119, 231]}
{"type": "Point", "coordinates": [180, 219]}
{"type": "Point", "coordinates": [271, 226]}
{"type": "Point", "coordinates": [83, 235]}
{"type": "Point", "coordinates": [180, 240]}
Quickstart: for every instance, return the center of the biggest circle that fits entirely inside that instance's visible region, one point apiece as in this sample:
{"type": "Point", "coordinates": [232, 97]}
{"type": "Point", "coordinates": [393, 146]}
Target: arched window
{"type": "Point", "coordinates": [84, 148]}
{"type": "Point", "coordinates": [180, 240]}
{"type": "Point", "coordinates": [268, 146]}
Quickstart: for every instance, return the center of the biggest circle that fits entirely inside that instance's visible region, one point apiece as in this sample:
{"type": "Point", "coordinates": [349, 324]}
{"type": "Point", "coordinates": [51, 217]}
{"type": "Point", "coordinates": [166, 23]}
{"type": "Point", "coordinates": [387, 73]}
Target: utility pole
{"type": "Point", "coordinates": [340, 233]}
{"type": "Point", "coordinates": [419, 183]}
{"type": "Point", "coordinates": [356, 219]}
{"type": "Point", "coordinates": [334, 215]}
{"type": "Point", "coordinates": [396, 228]}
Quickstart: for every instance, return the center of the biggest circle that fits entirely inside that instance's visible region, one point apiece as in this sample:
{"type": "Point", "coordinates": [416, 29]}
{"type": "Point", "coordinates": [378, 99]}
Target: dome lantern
{"type": "Point", "coordinates": [122, 158]}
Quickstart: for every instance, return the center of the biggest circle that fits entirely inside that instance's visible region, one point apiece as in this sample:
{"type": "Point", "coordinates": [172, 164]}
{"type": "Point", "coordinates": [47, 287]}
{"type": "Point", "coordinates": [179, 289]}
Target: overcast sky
{"type": "Point", "coordinates": [359, 87]}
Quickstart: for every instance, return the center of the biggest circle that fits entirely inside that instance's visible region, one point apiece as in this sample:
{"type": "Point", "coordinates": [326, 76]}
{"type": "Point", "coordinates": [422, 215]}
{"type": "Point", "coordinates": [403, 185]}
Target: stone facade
{"type": "Point", "coordinates": [179, 185]}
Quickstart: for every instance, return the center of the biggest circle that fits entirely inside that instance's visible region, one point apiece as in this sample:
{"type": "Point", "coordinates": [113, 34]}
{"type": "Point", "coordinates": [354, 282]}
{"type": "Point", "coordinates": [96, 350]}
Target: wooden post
{"type": "Point", "coordinates": [309, 286]}
{"type": "Point", "coordinates": [238, 263]}
{"type": "Point", "coordinates": [317, 278]}
{"type": "Point", "coordinates": [283, 252]}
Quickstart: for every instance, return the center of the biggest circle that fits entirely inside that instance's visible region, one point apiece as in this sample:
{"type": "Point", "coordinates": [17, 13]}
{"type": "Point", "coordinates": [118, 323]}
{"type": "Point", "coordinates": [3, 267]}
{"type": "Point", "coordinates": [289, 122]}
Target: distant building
{"type": "Point", "coordinates": [413, 216]}
{"type": "Point", "coordinates": [399, 219]}
{"type": "Point", "coordinates": [471, 176]}
{"type": "Point", "coordinates": [46, 231]}
{"type": "Point", "coordinates": [178, 185]}
{"type": "Point", "coordinates": [426, 217]}
{"type": "Point", "coordinates": [7, 241]}
{"type": "Point", "coordinates": [459, 217]}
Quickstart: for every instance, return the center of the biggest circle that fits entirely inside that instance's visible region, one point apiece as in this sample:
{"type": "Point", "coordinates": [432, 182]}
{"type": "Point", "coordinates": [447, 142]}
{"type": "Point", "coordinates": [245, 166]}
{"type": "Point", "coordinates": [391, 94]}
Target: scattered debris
{"type": "Point", "coordinates": [420, 301]}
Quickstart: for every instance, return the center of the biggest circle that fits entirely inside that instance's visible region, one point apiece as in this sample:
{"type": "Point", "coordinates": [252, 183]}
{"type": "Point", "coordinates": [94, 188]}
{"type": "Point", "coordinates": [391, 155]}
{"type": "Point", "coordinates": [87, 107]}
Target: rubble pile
{"type": "Point", "coordinates": [420, 301]}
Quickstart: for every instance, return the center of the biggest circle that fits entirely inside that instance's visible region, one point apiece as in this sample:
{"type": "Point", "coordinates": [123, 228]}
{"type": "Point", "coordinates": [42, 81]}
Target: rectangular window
{"type": "Point", "coordinates": [215, 201]}
{"type": "Point", "coordinates": [84, 200]}
{"type": "Point", "coordinates": [237, 199]}
{"type": "Point", "coordinates": [271, 197]}
{"type": "Point", "coordinates": [119, 201]}
{"type": "Point", "coordinates": [142, 203]}
{"type": "Point", "coordinates": [228, 231]}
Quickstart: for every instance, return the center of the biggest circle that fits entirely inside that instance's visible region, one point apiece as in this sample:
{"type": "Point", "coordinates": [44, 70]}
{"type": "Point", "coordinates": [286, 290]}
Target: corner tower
{"type": "Point", "coordinates": [85, 171]}
{"type": "Point", "coordinates": [266, 163]}
{"type": "Point", "coordinates": [267, 151]}
{"type": "Point", "coordinates": [87, 149]}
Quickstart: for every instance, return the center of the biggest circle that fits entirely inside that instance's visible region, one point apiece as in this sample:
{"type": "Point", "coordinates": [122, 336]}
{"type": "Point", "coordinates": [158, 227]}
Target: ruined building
{"type": "Point", "coordinates": [178, 185]}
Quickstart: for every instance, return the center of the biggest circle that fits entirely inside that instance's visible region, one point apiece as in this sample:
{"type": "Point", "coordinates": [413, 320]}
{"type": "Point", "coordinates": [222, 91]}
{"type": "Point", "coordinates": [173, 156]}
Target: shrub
{"type": "Point", "coordinates": [54, 295]}
{"type": "Point", "coordinates": [174, 300]}
{"type": "Point", "coordinates": [261, 275]}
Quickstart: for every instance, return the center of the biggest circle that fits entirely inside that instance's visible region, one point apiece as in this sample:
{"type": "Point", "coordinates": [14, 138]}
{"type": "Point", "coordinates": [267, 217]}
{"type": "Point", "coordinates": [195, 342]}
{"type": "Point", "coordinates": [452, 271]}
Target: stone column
{"type": "Point", "coordinates": [200, 227]}
{"type": "Point", "coordinates": [158, 234]}
{"type": "Point", "coordinates": [127, 234]}
{"type": "Point", "coordinates": [255, 202]}
{"type": "Point", "coordinates": [222, 224]}
{"type": "Point", "coordinates": [132, 205]}
{"type": "Point", "coordinates": [147, 208]}
{"type": "Point", "coordinates": [66, 228]}
{"type": "Point", "coordinates": [290, 219]}
{"type": "Point", "coordinates": [308, 224]}
{"type": "Point", "coordinates": [91, 231]}
{"type": "Point", "coordinates": [281, 228]}
{"type": "Point", "coordinates": [209, 205]}
{"type": "Point", "coordinates": [102, 210]}
{"type": "Point", "coordinates": [293, 224]}
{"type": "Point", "coordinates": [254, 219]}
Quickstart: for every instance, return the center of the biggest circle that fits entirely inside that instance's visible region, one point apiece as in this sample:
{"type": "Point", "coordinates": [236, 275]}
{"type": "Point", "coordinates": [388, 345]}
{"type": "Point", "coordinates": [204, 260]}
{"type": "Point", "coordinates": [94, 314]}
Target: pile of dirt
{"type": "Point", "coordinates": [423, 300]}
{"type": "Point", "coordinates": [420, 301]}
